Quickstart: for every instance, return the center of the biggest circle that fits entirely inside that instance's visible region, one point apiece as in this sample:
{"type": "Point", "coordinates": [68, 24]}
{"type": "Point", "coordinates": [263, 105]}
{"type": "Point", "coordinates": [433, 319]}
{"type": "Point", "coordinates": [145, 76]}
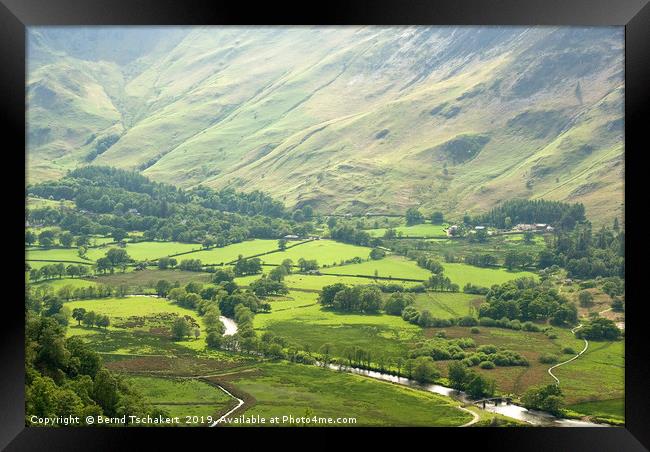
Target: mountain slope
{"type": "Point", "coordinates": [346, 119]}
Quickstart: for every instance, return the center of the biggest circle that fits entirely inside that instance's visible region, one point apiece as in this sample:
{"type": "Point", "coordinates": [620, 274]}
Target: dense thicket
{"type": "Point", "coordinates": [587, 255]}
{"type": "Point", "coordinates": [349, 234]}
{"type": "Point", "coordinates": [525, 299]}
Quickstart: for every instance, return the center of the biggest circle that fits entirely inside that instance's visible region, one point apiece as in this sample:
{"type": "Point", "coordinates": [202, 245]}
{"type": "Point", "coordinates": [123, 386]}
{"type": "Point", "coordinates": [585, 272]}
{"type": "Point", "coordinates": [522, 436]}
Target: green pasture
{"type": "Point", "coordinates": [57, 284]}
{"type": "Point", "coordinates": [147, 279]}
{"type": "Point", "coordinates": [388, 267]}
{"type": "Point", "coordinates": [462, 274]}
{"type": "Point", "coordinates": [232, 252]}
{"type": "Point", "coordinates": [446, 305]}
{"type": "Point", "coordinates": [302, 321]}
{"type": "Point", "coordinates": [139, 324]}
{"type": "Point", "coordinates": [417, 230]}
{"type": "Point", "coordinates": [599, 374]}
{"type": "Point", "coordinates": [56, 254]}
{"type": "Point", "coordinates": [326, 252]}
{"type": "Point", "coordinates": [182, 397]}
{"type": "Point", "coordinates": [141, 251]}
{"type": "Point", "coordinates": [317, 282]}
{"type": "Point", "coordinates": [284, 389]}
{"type": "Point", "coordinates": [612, 408]}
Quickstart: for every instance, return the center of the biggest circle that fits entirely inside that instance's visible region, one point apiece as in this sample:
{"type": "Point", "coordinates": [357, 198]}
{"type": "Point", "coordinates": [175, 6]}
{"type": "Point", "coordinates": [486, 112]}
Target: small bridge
{"type": "Point", "coordinates": [495, 400]}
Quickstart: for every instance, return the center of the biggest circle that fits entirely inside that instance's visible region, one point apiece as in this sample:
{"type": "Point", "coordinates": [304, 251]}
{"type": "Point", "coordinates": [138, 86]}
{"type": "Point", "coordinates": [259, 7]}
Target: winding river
{"type": "Point", "coordinates": [229, 324]}
{"type": "Point", "coordinates": [537, 418]}
{"type": "Point", "coordinates": [534, 417]}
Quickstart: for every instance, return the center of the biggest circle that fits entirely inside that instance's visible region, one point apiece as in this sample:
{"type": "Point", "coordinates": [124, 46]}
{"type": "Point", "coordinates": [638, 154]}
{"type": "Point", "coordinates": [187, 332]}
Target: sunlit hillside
{"type": "Point", "coordinates": [345, 119]}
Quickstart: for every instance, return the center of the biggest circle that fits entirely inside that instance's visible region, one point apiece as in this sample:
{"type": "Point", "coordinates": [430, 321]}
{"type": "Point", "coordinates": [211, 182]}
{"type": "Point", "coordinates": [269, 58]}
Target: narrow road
{"type": "Point", "coordinates": [550, 369]}
{"type": "Point", "coordinates": [473, 421]}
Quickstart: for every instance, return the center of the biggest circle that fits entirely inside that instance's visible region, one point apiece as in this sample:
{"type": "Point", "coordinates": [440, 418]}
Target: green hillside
{"type": "Point", "coordinates": [345, 119]}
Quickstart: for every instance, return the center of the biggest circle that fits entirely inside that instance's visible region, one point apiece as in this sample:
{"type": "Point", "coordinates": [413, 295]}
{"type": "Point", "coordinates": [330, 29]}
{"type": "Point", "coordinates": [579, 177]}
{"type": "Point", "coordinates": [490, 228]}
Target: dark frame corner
{"type": "Point", "coordinates": [16, 15]}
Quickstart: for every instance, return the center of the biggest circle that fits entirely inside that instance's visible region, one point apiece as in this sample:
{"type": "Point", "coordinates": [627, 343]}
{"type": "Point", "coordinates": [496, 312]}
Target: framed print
{"type": "Point", "coordinates": [381, 216]}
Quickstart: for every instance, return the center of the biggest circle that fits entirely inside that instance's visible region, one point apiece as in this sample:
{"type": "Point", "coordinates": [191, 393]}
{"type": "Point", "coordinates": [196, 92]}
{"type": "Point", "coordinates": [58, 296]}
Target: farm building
{"type": "Point", "coordinates": [524, 227]}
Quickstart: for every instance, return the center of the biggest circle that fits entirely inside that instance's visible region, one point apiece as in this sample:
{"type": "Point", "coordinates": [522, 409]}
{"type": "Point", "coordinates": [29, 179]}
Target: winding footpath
{"type": "Point", "coordinates": [240, 402]}
{"type": "Point", "coordinates": [473, 421]}
{"type": "Point", "coordinates": [550, 369]}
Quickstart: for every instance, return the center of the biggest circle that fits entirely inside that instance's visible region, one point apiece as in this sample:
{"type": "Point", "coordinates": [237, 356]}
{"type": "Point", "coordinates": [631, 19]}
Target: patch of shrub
{"type": "Point", "coordinates": [548, 358]}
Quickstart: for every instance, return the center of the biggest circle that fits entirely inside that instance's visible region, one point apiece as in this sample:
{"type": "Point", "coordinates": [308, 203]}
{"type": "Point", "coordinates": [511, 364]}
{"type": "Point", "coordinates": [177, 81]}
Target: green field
{"type": "Point", "coordinates": [96, 240]}
{"type": "Point", "coordinates": [232, 252]}
{"type": "Point", "coordinates": [147, 279]}
{"type": "Point", "coordinates": [446, 305]}
{"type": "Point", "coordinates": [326, 252]}
{"type": "Point", "coordinates": [139, 325]}
{"type": "Point", "coordinates": [388, 267]}
{"type": "Point", "coordinates": [56, 254]}
{"type": "Point", "coordinates": [417, 230]}
{"type": "Point", "coordinates": [183, 397]}
{"type": "Point", "coordinates": [302, 321]}
{"type": "Point", "coordinates": [141, 251]}
{"type": "Point", "coordinates": [613, 409]}
{"type": "Point", "coordinates": [317, 282]}
{"type": "Point", "coordinates": [599, 373]}
{"type": "Point", "coordinates": [283, 389]}
{"type": "Point", "coordinates": [129, 306]}
{"type": "Point", "coordinates": [462, 274]}
{"type": "Point", "coordinates": [56, 284]}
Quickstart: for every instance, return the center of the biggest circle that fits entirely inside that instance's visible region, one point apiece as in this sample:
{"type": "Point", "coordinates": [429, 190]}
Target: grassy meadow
{"type": "Point", "coordinates": [388, 267]}
{"type": "Point", "coordinates": [462, 274]}
{"type": "Point", "coordinates": [139, 324]}
{"type": "Point", "coordinates": [232, 252]}
{"type": "Point", "coordinates": [301, 320]}
{"type": "Point", "coordinates": [142, 251]}
{"type": "Point", "coordinates": [326, 252]}
{"type": "Point", "coordinates": [417, 230]}
{"type": "Point", "coordinates": [446, 305]}
{"type": "Point", "coordinates": [281, 389]}
{"type": "Point", "coordinates": [56, 254]}
{"type": "Point", "coordinates": [183, 397]}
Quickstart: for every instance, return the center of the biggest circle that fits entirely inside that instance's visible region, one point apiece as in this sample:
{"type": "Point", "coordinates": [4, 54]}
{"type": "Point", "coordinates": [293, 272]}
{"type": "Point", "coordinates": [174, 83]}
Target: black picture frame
{"type": "Point", "coordinates": [16, 15]}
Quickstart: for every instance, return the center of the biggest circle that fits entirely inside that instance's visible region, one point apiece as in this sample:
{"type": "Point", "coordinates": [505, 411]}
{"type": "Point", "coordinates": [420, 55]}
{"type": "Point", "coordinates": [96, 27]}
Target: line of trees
{"type": "Point", "coordinates": [340, 297]}
{"type": "Point", "coordinates": [90, 318]}
{"type": "Point", "coordinates": [60, 270]}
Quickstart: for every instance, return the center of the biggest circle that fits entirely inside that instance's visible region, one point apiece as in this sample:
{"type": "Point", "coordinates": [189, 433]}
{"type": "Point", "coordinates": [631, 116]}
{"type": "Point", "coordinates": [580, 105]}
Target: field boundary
{"type": "Point", "coordinates": [221, 264]}
{"type": "Point", "coordinates": [59, 261]}
{"type": "Point", "coordinates": [278, 250]}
